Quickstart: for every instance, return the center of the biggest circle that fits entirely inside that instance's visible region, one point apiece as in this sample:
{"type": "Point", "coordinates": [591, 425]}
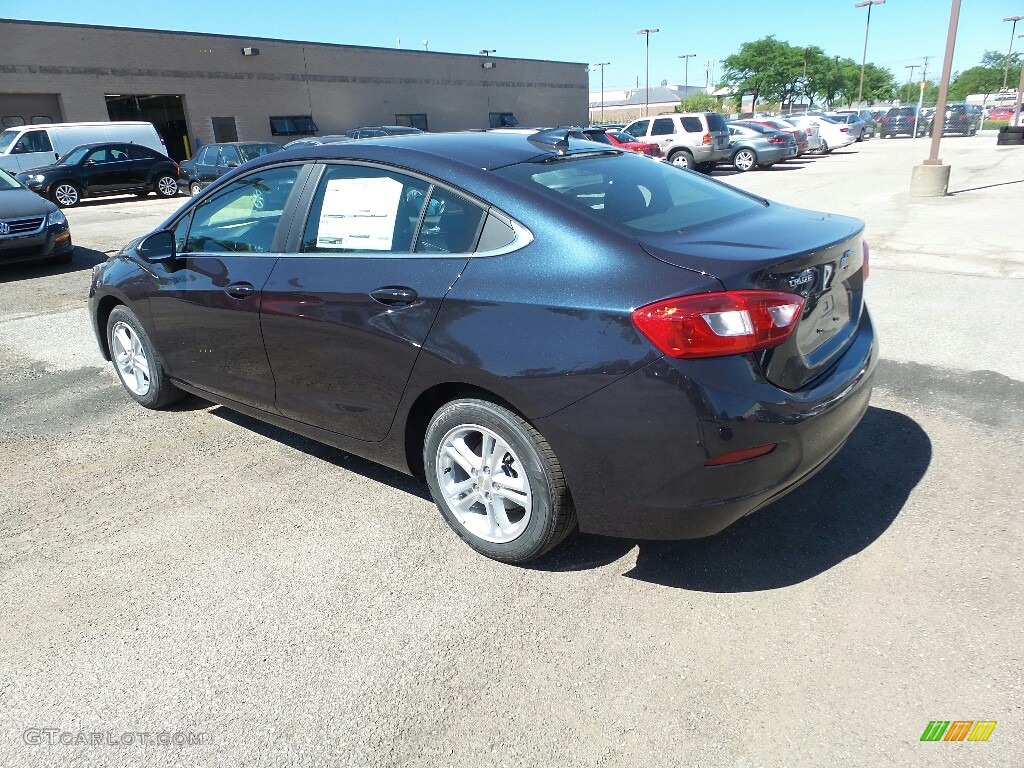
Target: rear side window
{"type": "Point", "coordinates": [451, 224]}
{"type": "Point", "coordinates": [693, 125]}
{"type": "Point", "coordinates": [632, 194]}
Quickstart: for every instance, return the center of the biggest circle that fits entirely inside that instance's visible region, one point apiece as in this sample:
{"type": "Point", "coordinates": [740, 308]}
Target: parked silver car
{"type": "Point", "coordinates": [861, 122]}
{"type": "Point", "coordinates": [757, 145]}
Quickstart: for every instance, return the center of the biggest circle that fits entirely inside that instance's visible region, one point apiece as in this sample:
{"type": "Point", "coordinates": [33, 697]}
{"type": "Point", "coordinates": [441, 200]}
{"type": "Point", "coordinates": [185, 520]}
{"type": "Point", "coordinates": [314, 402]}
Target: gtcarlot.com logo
{"type": "Point", "coordinates": [58, 737]}
{"type": "Point", "coordinates": [958, 730]}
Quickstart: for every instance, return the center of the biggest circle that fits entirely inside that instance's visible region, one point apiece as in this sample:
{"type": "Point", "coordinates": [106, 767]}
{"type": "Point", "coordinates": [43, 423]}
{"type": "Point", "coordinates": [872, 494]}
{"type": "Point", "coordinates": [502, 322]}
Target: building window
{"type": "Point", "coordinates": [292, 125]}
{"type": "Point", "coordinates": [13, 121]}
{"type": "Point", "coordinates": [412, 121]}
{"type": "Point", "coordinates": [503, 120]}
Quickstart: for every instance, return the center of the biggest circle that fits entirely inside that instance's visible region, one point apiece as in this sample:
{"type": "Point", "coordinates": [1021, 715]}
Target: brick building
{"type": "Point", "coordinates": [225, 88]}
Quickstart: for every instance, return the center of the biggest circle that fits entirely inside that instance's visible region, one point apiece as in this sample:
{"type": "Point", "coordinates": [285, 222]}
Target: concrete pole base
{"type": "Point", "coordinates": [929, 181]}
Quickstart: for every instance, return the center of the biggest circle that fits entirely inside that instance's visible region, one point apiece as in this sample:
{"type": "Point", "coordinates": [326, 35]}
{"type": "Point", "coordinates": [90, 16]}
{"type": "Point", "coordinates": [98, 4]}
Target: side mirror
{"type": "Point", "coordinates": [56, 157]}
{"type": "Point", "coordinates": [157, 247]}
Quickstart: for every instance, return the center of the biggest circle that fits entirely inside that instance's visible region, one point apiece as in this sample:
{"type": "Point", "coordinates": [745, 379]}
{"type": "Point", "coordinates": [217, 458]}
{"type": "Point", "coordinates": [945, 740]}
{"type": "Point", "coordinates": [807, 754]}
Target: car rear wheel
{"type": "Point", "coordinates": [681, 159]}
{"type": "Point", "coordinates": [136, 362]}
{"type": "Point", "coordinates": [195, 188]}
{"type": "Point", "coordinates": [744, 160]}
{"type": "Point", "coordinates": [166, 186]}
{"type": "Point", "coordinates": [65, 194]}
{"type": "Point", "coordinates": [496, 481]}
{"type": "Point", "coordinates": [824, 147]}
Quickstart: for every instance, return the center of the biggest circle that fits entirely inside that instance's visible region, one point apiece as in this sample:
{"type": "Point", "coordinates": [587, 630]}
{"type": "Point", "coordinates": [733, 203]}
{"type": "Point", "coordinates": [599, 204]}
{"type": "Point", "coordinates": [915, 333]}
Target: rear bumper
{"type": "Point", "coordinates": [634, 454]}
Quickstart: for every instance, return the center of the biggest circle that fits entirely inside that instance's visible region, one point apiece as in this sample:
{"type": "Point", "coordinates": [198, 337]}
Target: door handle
{"type": "Point", "coordinates": [394, 296]}
{"type": "Point", "coordinates": [240, 290]}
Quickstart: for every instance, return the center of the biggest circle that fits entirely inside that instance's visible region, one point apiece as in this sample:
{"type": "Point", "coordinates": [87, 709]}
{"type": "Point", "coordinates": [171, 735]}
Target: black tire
{"type": "Point", "coordinates": [66, 194]}
{"type": "Point", "coordinates": [160, 391]}
{"type": "Point", "coordinates": [744, 159]}
{"type": "Point", "coordinates": [165, 185]}
{"type": "Point", "coordinates": [195, 188]}
{"type": "Point", "coordinates": [681, 158]}
{"type": "Point", "coordinates": [550, 517]}
{"type": "Point", "coordinates": [765, 166]}
{"type": "Point", "coordinates": [706, 168]}
{"type": "Point", "coordinates": [824, 147]}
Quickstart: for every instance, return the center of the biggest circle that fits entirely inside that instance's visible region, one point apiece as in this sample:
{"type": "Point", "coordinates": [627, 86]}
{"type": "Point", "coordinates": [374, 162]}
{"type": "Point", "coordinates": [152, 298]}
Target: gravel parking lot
{"type": "Point", "coordinates": [260, 599]}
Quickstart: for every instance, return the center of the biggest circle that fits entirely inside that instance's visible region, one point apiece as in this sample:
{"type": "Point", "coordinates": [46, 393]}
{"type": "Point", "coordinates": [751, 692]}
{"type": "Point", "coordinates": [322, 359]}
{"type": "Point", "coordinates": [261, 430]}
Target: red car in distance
{"type": "Point", "coordinates": [621, 139]}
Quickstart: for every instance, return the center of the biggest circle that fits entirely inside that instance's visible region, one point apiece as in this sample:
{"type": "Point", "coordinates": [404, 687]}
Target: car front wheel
{"type": "Point", "coordinates": [66, 195]}
{"type": "Point", "coordinates": [136, 362]}
{"type": "Point", "coordinates": [496, 481]}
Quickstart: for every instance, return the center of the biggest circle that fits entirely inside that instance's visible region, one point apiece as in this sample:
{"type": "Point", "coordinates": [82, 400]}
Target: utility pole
{"type": "Point", "coordinates": [602, 65]}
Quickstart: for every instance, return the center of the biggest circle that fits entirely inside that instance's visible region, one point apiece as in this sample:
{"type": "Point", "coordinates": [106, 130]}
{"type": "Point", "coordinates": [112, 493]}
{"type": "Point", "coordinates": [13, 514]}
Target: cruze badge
{"type": "Point", "coordinates": [807, 276]}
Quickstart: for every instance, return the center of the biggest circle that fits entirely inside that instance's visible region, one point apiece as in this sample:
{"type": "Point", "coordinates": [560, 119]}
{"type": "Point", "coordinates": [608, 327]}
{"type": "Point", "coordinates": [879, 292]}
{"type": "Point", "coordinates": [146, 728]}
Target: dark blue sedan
{"type": "Point", "coordinates": [553, 333]}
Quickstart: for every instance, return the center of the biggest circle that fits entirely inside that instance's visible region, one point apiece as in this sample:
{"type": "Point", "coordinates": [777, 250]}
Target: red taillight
{"type": "Point", "coordinates": [708, 138]}
{"type": "Point", "coordinates": [718, 324]}
{"type": "Point", "coordinates": [867, 258]}
{"type": "Point", "coordinates": [745, 454]}
{"type": "Point", "coordinates": [808, 131]}
{"type": "Point", "coordinates": [177, 170]}
{"type": "Point", "coordinates": [845, 130]}
{"type": "Point", "coordinates": [778, 140]}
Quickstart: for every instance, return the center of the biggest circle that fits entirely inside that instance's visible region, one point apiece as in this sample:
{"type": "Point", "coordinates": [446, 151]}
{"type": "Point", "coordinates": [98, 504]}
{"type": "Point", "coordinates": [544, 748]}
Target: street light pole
{"type": "Point", "coordinates": [910, 79]}
{"type": "Point", "coordinates": [647, 89]}
{"type": "Point", "coordinates": [1013, 30]}
{"type": "Point", "coordinates": [864, 58]}
{"type": "Point", "coordinates": [686, 77]}
{"type": "Point", "coordinates": [602, 65]}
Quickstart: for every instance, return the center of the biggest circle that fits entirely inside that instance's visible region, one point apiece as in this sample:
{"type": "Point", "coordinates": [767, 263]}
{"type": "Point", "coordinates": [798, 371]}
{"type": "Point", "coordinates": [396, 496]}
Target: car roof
{"type": "Point", "coordinates": [484, 150]}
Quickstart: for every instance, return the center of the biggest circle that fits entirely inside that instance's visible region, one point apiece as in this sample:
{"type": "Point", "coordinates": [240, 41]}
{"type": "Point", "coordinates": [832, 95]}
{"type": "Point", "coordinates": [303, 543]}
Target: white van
{"type": "Point", "coordinates": [32, 146]}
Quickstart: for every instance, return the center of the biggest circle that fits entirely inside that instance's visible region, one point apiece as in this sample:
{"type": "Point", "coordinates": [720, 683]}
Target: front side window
{"type": "Point", "coordinates": [663, 126]}
{"type": "Point", "coordinates": [243, 216]}
{"type": "Point", "coordinates": [34, 141]}
{"type": "Point", "coordinates": [638, 129]}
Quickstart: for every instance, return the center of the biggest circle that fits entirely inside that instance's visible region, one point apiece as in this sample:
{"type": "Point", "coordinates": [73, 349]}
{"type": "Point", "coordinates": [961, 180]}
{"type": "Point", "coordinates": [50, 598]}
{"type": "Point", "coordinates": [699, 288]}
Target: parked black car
{"type": "Point", "coordinates": [92, 170]}
{"type": "Point", "coordinates": [899, 121]}
{"type": "Point", "coordinates": [549, 330]}
{"type": "Point", "coordinates": [214, 160]}
{"type": "Point", "coordinates": [31, 227]}
{"type": "Point", "coordinates": [960, 118]}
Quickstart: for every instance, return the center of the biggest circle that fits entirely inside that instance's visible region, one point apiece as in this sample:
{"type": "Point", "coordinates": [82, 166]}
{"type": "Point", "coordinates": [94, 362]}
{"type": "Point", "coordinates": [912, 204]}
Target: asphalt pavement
{"type": "Point", "coordinates": [192, 587]}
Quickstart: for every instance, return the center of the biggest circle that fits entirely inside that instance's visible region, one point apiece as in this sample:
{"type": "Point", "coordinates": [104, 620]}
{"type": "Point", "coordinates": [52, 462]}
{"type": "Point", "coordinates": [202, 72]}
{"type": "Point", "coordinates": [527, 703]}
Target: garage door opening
{"type": "Point", "coordinates": [166, 112]}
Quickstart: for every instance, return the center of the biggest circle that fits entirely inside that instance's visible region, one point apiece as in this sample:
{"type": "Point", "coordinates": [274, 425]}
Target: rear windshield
{"type": "Point", "coordinates": [716, 122]}
{"type": "Point", "coordinates": [629, 192]}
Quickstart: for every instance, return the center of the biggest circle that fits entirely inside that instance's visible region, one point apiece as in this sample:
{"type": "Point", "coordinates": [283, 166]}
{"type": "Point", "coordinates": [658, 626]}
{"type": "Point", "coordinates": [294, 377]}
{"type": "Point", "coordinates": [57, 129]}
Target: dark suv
{"type": "Point", "coordinates": [900, 121]}
{"type": "Point", "coordinates": [961, 118]}
{"type": "Point", "coordinates": [214, 160]}
{"type": "Point", "coordinates": [104, 169]}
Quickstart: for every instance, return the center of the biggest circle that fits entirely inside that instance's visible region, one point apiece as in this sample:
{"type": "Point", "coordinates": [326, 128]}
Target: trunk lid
{"type": "Point", "coordinates": [817, 256]}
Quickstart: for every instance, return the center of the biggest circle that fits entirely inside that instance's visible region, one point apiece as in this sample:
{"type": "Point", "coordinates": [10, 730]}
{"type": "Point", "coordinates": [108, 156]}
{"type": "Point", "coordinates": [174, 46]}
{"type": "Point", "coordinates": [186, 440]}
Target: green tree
{"type": "Point", "coordinates": [699, 102]}
{"type": "Point", "coordinates": [764, 69]}
{"type": "Point", "coordinates": [987, 77]}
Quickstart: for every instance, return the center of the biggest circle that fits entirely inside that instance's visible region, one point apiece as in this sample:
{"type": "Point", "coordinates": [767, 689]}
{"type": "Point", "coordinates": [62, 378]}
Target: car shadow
{"type": "Point", "coordinates": [83, 258]}
{"type": "Point", "coordinates": [835, 515]}
{"type": "Point", "coordinates": [339, 458]}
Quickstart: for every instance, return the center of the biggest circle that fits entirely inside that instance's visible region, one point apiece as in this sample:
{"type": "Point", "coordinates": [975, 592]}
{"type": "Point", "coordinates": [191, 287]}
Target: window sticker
{"type": "Point", "coordinates": [359, 214]}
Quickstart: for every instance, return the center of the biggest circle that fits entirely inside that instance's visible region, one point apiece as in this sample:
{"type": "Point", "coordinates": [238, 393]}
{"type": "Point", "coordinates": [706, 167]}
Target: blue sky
{"type": "Point", "coordinates": [902, 31]}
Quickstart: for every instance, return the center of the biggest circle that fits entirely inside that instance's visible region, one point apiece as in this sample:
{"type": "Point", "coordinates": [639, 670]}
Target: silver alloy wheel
{"type": "Point", "coordinates": [66, 195]}
{"type": "Point", "coordinates": [744, 160]}
{"type": "Point", "coordinates": [484, 483]}
{"type": "Point", "coordinates": [167, 186]}
{"type": "Point", "coordinates": [130, 358]}
{"type": "Point", "coordinates": [195, 188]}
{"type": "Point", "coordinates": [681, 160]}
